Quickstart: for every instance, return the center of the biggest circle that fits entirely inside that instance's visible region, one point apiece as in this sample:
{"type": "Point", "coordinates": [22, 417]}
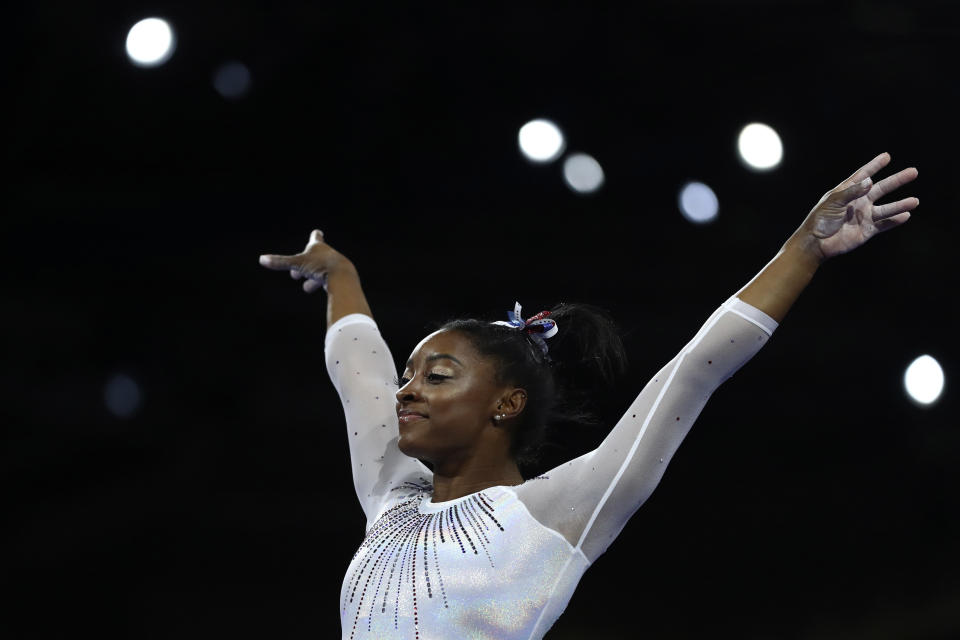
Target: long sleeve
{"type": "Point", "coordinates": [362, 371]}
{"type": "Point", "coordinates": [589, 500]}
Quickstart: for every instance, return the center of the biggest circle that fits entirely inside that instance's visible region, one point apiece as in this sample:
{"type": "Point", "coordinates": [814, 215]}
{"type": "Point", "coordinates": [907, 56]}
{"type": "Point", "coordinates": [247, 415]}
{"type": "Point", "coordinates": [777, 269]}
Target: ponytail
{"type": "Point", "coordinates": [584, 356]}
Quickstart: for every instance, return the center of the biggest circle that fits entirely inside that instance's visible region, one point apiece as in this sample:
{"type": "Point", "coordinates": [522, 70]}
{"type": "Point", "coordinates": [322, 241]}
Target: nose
{"type": "Point", "coordinates": [408, 392]}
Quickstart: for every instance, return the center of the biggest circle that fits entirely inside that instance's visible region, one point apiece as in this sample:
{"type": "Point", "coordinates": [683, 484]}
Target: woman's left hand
{"type": "Point", "coordinates": [846, 216]}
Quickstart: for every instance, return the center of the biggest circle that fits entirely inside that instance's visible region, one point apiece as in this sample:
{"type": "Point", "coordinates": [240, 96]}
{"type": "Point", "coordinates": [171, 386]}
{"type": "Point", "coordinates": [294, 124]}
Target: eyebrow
{"type": "Point", "coordinates": [437, 356]}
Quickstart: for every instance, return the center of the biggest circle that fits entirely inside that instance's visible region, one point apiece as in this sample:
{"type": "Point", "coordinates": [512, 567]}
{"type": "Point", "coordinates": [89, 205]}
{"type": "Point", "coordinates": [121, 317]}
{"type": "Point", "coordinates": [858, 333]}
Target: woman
{"type": "Point", "coordinates": [469, 549]}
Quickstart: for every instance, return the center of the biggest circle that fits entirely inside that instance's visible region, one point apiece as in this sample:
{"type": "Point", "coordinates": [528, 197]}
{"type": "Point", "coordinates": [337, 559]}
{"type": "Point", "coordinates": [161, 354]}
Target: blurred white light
{"type": "Point", "coordinates": [122, 395]}
{"type": "Point", "coordinates": [759, 147]}
{"type": "Point", "coordinates": [232, 80]}
{"type": "Point", "coordinates": [698, 203]}
{"type": "Point", "coordinates": [541, 141]}
{"type": "Point", "coordinates": [924, 380]}
{"type": "Point", "coordinates": [150, 42]}
{"type": "Point", "coordinates": [582, 173]}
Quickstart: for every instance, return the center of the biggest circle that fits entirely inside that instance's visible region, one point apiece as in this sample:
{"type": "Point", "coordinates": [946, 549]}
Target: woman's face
{"type": "Point", "coordinates": [446, 400]}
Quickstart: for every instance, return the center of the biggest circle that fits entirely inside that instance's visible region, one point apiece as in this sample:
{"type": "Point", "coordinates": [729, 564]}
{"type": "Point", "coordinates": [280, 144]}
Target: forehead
{"type": "Point", "coordinates": [443, 341]}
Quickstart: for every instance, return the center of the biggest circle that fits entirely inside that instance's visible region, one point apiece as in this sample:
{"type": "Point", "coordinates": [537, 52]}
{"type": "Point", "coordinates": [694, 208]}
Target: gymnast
{"type": "Point", "coordinates": [469, 548]}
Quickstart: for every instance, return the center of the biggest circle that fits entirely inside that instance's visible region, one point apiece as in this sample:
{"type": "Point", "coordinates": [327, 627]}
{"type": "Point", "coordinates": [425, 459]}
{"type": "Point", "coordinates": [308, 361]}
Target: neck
{"type": "Point", "coordinates": [452, 481]}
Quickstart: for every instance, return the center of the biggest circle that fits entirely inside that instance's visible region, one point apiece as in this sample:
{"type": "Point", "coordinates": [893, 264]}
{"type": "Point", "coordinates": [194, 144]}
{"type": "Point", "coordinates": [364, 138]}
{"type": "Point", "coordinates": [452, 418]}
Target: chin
{"type": "Point", "coordinates": [409, 449]}
{"type": "Point", "coordinates": [406, 447]}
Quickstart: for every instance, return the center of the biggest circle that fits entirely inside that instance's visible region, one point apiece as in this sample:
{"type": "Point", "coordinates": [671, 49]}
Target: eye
{"type": "Point", "coordinates": [433, 378]}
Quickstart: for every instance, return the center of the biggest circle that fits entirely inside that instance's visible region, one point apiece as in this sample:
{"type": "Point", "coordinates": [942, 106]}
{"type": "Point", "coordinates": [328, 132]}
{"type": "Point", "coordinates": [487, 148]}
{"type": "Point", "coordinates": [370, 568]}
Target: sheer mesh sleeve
{"type": "Point", "coordinates": [362, 371]}
{"type": "Point", "coordinates": [589, 500]}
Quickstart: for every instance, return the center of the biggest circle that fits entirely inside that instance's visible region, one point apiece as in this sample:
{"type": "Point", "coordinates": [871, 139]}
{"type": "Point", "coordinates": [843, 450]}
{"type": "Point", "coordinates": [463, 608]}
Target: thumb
{"type": "Point", "coordinates": [856, 190]}
{"type": "Point", "coordinates": [316, 237]}
{"type": "Point", "coordinates": [278, 263]}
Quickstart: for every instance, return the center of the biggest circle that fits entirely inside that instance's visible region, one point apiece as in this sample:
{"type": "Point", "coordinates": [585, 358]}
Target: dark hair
{"type": "Point", "coordinates": [586, 352]}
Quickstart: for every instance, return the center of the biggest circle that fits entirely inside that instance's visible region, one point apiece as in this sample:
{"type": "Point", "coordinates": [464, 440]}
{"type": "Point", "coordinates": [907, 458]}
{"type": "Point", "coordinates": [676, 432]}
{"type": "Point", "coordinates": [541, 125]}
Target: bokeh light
{"type": "Point", "coordinates": [759, 147]}
{"type": "Point", "coordinates": [582, 173]}
{"type": "Point", "coordinates": [698, 203]}
{"type": "Point", "coordinates": [232, 80]}
{"type": "Point", "coordinates": [150, 42]}
{"type": "Point", "coordinates": [923, 380]}
{"type": "Point", "coordinates": [122, 396]}
{"type": "Point", "coordinates": [541, 141]}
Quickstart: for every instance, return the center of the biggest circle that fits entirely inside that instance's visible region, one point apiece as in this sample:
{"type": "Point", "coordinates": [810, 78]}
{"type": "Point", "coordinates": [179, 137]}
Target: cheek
{"type": "Point", "coordinates": [467, 402]}
{"type": "Point", "coordinates": [456, 415]}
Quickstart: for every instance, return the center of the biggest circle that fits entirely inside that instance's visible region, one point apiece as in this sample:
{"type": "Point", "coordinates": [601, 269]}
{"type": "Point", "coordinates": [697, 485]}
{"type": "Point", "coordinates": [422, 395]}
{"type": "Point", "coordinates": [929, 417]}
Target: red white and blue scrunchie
{"type": "Point", "coordinates": [538, 327]}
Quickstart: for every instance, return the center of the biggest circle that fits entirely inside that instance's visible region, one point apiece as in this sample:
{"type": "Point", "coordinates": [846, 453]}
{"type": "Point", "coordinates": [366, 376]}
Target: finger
{"type": "Point", "coordinates": [885, 211]}
{"type": "Point", "coordinates": [278, 263]}
{"type": "Point", "coordinates": [296, 275]}
{"type": "Point", "coordinates": [316, 237]}
{"type": "Point", "coordinates": [895, 221]}
{"type": "Point", "coordinates": [312, 285]}
{"type": "Point", "coordinates": [890, 183]}
{"type": "Point", "coordinates": [869, 169]}
{"type": "Point", "coordinates": [851, 193]}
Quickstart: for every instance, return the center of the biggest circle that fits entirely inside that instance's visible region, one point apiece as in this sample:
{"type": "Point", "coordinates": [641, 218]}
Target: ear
{"type": "Point", "coordinates": [511, 404]}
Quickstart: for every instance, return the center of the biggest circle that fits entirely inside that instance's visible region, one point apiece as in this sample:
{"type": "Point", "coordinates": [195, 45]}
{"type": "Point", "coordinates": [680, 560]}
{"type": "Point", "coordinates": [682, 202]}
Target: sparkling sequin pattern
{"type": "Point", "coordinates": [403, 544]}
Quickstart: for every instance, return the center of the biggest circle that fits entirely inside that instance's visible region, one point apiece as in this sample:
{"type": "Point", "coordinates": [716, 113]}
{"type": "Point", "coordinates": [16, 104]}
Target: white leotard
{"type": "Point", "coordinates": [503, 562]}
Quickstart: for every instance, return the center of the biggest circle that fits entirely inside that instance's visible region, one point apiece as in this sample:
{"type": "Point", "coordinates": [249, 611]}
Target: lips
{"type": "Point", "coordinates": [406, 416]}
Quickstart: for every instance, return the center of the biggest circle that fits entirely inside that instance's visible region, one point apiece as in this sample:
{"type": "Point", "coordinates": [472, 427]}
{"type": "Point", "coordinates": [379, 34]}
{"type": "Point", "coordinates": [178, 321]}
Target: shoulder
{"type": "Point", "coordinates": [353, 320]}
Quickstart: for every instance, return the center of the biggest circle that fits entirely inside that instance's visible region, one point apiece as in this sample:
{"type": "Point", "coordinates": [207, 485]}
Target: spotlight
{"type": "Point", "coordinates": [582, 173]}
{"type": "Point", "coordinates": [541, 141]}
{"type": "Point", "coordinates": [759, 147]}
{"type": "Point", "coordinates": [232, 80]}
{"type": "Point", "coordinates": [122, 396]}
{"type": "Point", "coordinates": [150, 42]}
{"type": "Point", "coordinates": [923, 380]}
{"type": "Point", "coordinates": [698, 203]}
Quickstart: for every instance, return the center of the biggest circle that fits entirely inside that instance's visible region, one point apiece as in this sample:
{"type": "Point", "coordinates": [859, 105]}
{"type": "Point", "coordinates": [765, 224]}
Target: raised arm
{"type": "Point", "coordinates": [361, 369]}
{"type": "Point", "coordinates": [590, 499]}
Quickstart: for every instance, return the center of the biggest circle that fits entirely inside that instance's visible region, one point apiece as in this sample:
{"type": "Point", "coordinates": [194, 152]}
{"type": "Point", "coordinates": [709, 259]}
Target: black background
{"type": "Point", "coordinates": [811, 500]}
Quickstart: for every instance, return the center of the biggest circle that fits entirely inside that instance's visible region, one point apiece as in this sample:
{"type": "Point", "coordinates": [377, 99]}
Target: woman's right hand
{"type": "Point", "coordinates": [314, 263]}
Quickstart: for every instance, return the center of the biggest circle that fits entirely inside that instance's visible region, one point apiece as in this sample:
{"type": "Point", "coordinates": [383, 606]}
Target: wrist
{"type": "Point", "coordinates": [805, 250]}
{"type": "Point", "coordinates": [341, 266]}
